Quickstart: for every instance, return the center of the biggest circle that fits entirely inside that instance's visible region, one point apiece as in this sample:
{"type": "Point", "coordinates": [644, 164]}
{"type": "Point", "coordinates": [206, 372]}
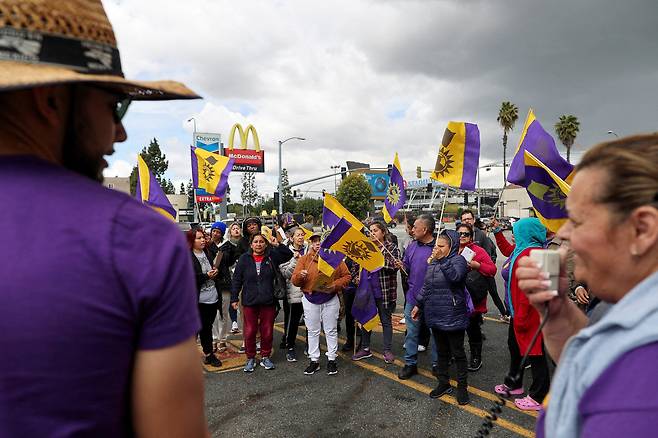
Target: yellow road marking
{"type": "Point", "coordinates": [426, 390]}
{"type": "Point", "coordinates": [426, 373]}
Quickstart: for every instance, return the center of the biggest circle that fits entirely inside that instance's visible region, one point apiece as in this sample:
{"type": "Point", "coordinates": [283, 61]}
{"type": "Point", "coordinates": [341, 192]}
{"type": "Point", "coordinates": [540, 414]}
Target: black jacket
{"type": "Point", "coordinates": [258, 289]}
{"type": "Point", "coordinates": [230, 255]}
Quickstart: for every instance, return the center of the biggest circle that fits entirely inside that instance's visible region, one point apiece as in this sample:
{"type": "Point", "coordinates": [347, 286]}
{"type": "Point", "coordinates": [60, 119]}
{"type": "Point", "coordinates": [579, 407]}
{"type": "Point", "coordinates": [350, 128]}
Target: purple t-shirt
{"type": "Point", "coordinates": [623, 401]}
{"type": "Point", "coordinates": [415, 262]}
{"type": "Point", "coordinates": [88, 277]}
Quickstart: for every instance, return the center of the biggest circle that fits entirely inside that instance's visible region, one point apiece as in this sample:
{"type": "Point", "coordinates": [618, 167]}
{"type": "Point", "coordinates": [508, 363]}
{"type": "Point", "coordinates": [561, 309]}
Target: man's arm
{"type": "Point", "coordinates": [167, 393]}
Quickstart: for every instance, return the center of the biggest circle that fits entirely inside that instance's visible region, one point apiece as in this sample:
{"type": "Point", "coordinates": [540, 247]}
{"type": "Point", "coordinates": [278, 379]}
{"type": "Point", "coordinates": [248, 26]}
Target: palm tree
{"type": "Point", "coordinates": [567, 129]}
{"type": "Point", "coordinates": [507, 116]}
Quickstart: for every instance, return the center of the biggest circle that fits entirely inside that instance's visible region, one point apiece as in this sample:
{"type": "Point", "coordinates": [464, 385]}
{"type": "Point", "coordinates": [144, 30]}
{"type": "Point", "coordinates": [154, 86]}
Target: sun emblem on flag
{"type": "Point", "coordinates": [359, 250]}
{"type": "Point", "coordinates": [444, 161]}
{"type": "Point", "coordinates": [326, 230]}
{"type": "Point", "coordinates": [556, 197]}
{"type": "Point", "coordinates": [208, 169]}
{"type": "Point", "coordinates": [393, 194]}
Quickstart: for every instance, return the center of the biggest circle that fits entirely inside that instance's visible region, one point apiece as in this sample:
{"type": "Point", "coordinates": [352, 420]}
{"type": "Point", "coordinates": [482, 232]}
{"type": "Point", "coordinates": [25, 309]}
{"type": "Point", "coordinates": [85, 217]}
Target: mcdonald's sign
{"type": "Point", "coordinates": [245, 160]}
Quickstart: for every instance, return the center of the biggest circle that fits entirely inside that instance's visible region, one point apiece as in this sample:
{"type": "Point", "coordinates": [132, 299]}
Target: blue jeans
{"type": "Point", "coordinates": [411, 340]}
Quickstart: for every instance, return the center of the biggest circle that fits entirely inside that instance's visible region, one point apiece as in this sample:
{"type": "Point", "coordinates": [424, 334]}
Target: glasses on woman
{"type": "Point", "coordinates": [464, 234]}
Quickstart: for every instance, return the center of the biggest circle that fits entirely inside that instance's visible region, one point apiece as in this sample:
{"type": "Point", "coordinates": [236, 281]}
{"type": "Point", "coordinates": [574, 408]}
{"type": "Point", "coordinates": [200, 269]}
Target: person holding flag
{"type": "Point", "coordinates": [383, 285]}
{"type": "Point", "coordinates": [321, 304]}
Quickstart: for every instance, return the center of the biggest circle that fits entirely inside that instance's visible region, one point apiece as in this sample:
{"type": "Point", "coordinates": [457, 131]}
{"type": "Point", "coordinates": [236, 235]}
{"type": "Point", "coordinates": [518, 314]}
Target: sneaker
{"type": "Point", "coordinates": [347, 347]}
{"type": "Point", "coordinates": [250, 366]}
{"type": "Point", "coordinates": [462, 396]}
{"type": "Point", "coordinates": [257, 347]}
{"type": "Point", "coordinates": [291, 355]}
{"type": "Point", "coordinates": [421, 348]}
{"type": "Point", "coordinates": [408, 371]}
{"type": "Point", "coordinates": [362, 354]}
{"type": "Point", "coordinates": [388, 357]}
{"type": "Point", "coordinates": [212, 360]}
{"type": "Point", "coordinates": [312, 368]}
{"type": "Point", "coordinates": [267, 363]}
{"type": "Point", "coordinates": [475, 364]}
{"type": "Point", "coordinates": [332, 368]}
{"type": "Point", "coordinates": [234, 327]}
{"type": "Point", "coordinates": [221, 347]}
{"type": "Point", "coordinates": [241, 350]}
{"type": "Point", "coordinates": [441, 389]}
{"type": "Point", "coordinates": [402, 321]}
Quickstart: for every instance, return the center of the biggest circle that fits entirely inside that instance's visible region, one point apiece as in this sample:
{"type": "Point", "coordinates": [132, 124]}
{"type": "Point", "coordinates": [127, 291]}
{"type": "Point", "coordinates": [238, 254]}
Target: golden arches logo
{"type": "Point", "coordinates": [244, 136]}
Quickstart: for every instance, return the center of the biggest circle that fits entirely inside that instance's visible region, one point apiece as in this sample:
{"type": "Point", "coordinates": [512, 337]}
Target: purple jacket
{"type": "Point", "coordinates": [415, 263]}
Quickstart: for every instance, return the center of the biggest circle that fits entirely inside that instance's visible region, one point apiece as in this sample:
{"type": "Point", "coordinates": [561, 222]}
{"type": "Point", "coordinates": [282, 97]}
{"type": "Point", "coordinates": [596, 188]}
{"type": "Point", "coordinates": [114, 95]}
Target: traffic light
{"type": "Point", "coordinates": [429, 187]}
{"type": "Point", "coordinates": [343, 173]}
{"type": "Point", "coordinates": [466, 199]}
{"type": "Point", "coordinates": [389, 169]}
{"type": "Point", "coordinates": [418, 174]}
{"type": "Point", "coordinates": [294, 194]}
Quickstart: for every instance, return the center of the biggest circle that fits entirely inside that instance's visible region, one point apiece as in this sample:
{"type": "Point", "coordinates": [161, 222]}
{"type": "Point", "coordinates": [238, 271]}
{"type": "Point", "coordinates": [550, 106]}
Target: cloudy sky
{"type": "Point", "coordinates": [362, 79]}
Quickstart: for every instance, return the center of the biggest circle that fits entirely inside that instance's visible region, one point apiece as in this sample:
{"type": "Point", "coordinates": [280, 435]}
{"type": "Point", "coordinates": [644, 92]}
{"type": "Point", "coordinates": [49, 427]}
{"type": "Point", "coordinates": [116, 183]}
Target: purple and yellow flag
{"type": "Point", "coordinates": [210, 171]}
{"type": "Point", "coordinates": [149, 191]}
{"type": "Point", "coordinates": [395, 194]}
{"type": "Point", "coordinates": [539, 167]}
{"type": "Point", "coordinates": [364, 308]}
{"type": "Point", "coordinates": [547, 190]}
{"type": "Point", "coordinates": [345, 239]}
{"type": "Point", "coordinates": [459, 156]}
{"type": "Point", "coordinates": [332, 213]}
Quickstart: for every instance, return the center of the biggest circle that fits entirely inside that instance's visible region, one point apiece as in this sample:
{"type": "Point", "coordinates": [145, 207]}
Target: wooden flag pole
{"type": "Point", "coordinates": [388, 251]}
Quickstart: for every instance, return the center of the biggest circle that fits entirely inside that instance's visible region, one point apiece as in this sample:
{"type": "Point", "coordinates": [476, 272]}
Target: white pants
{"type": "Point", "coordinates": [322, 315]}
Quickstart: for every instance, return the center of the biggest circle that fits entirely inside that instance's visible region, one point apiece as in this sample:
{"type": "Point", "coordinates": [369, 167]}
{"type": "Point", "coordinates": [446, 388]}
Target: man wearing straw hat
{"type": "Point", "coordinates": [97, 322]}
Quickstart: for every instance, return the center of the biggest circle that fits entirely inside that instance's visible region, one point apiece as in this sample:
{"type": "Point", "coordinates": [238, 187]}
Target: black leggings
{"type": "Point", "coordinates": [451, 344]}
{"type": "Point", "coordinates": [293, 316]}
{"type": "Point", "coordinates": [541, 380]}
{"type": "Point", "coordinates": [207, 313]}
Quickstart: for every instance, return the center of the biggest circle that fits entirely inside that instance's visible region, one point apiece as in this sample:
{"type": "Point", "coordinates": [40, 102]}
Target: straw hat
{"type": "Point", "coordinates": [47, 42]}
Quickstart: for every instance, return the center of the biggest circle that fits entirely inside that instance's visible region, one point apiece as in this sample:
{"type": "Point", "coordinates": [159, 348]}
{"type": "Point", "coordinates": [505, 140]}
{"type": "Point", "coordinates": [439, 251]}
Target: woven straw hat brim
{"type": "Point", "coordinates": [20, 75]}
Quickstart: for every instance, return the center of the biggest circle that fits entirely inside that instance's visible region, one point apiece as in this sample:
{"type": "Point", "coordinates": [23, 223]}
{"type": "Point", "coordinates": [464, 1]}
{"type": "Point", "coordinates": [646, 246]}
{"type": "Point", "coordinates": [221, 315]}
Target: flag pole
{"type": "Point", "coordinates": [443, 207]}
{"type": "Point", "coordinates": [388, 251]}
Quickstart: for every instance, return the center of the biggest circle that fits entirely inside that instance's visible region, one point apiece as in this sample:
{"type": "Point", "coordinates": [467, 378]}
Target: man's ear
{"type": "Point", "coordinates": [51, 103]}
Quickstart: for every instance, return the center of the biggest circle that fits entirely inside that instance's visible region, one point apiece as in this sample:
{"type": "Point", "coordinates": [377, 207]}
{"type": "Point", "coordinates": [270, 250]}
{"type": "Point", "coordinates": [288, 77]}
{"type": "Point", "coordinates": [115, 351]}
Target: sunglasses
{"type": "Point", "coordinates": [465, 234]}
{"type": "Point", "coordinates": [121, 108]}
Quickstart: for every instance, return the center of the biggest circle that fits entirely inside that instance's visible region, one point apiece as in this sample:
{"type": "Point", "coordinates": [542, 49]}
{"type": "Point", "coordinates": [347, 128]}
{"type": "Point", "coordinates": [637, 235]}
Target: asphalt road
{"type": "Point", "coordinates": [364, 399]}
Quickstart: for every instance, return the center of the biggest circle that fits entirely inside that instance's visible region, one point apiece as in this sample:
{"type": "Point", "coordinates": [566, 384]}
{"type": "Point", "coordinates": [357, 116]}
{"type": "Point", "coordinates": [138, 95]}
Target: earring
{"type": "Point", "coordinates": [633, 251]}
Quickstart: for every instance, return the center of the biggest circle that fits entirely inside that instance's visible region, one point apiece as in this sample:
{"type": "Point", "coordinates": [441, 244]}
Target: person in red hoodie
{"type": "Point", "coordinates": [481, 268]}
{"type": "Point", "coordinates": [529, 233]}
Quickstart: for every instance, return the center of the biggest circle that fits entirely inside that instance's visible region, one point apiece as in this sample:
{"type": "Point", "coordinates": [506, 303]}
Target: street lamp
{"type": "Point", "coordinates": [280, 170]}
{"type": "Point", "coordinates": [334, 168]}
{"type": "Point", "coordinates": [196, 206]}
{"type": "Point", "coordinates": [613, 133]}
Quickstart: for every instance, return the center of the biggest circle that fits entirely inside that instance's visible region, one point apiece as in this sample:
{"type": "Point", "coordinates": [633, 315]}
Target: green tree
{"type": "Point", "coordinates": [288, 200]}
{"type": "Point", "coordinates": [182, 189]}
{"type": "Point", "coordinates": [354, 194]}
{"type": "Point", "coordinates": [156, 162]}
{"type": "Point", "coordinates": [190, 194]}
{"type": "Point", "coordinates": [249, 193]}
{"type": "Point", "coordinates": [567, 129]}
{"type": "Point", "coordinates": [507, 116]}
{"type": "Point", "coordinates": [169, 188]}
{"type": "Point", "coordinates": [312, 206]}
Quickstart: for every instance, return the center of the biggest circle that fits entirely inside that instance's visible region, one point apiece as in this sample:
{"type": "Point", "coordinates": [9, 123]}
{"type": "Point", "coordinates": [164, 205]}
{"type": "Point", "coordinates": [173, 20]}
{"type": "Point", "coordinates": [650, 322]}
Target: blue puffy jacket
{"type": "Point", "coordinates": [442, 298]}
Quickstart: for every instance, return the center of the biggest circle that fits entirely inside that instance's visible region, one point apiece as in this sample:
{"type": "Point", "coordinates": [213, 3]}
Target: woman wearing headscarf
{"type": "Point", "coordinates": [605, 384]}
{"type": "Point", "coordinates": [442, 300]}
{"type": "Point", "coordinates": [253, 285]}
{"type": "Point", "coordinates": [529, 234]}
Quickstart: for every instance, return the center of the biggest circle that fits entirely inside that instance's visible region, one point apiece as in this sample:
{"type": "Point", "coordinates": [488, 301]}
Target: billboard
{"type": "Point", "coordinates": [378, 183]}
{"type": "Point", "coordinates": [245, 160]}
{"type": "Point", "coordinates": [210, 142]}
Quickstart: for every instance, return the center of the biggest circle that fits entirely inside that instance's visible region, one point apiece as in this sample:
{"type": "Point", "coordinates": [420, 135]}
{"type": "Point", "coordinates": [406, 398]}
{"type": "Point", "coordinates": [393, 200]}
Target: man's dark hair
{"type": "Point", "coordinates": [467, 211]}
{"type": "Point", "coordinates": [429, 222]}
